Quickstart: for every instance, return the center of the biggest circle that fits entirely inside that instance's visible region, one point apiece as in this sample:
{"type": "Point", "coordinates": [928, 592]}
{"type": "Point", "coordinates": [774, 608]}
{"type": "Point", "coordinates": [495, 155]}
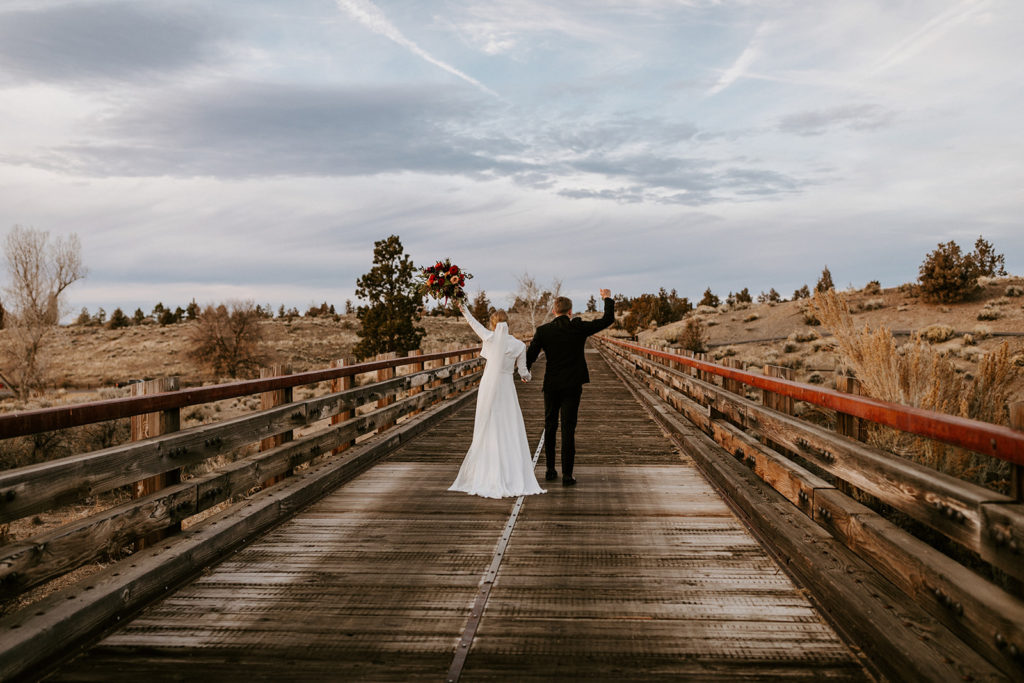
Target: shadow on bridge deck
{"type": "Point", "coordinates": [639, 572]}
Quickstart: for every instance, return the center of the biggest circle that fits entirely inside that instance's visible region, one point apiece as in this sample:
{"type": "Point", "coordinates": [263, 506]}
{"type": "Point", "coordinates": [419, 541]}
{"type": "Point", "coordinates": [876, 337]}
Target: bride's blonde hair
{"type": "Point", "coordinates": [499, 316]}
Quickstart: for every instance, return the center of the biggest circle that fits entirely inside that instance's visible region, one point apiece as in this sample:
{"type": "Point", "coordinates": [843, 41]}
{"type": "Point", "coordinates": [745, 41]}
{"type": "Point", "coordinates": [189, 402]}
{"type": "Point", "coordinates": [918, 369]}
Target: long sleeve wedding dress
{"type": "Point", "coordinates": [498, 463]}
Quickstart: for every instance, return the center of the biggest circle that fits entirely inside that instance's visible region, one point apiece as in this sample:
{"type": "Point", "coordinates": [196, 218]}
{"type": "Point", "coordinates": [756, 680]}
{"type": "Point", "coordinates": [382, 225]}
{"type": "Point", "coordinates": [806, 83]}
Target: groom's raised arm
{"type": "Point", "coordinates": [595, 326]}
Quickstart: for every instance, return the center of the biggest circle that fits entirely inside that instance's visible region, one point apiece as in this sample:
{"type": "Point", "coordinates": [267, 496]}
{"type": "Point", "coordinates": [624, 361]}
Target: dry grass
{"type": "Point", "coordinates": [919, 375]}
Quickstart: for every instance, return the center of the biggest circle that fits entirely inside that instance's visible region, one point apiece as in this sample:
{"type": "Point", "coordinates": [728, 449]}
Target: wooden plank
{"type": "Point", "coordinates": [640, 569]}
{"type": "Point", "coordinates": [383, 375]}
{"type": "Point", "coordinates": [945, 503]}
{"type": "Point", "coordinates": [35, 488]}
{"type": "Point", "coordinates": [41, 558]}
{"type": "Point", "coordinates": [772, 400]}
{"type": "Point", "coordinates": [33, 639]}
{"type": "Point", "coordinates": [273, 399]}
{"type": "Point", "coordinates": [982, 437]}
{"type": "Point", "coordinates": [338, 386]}
{"type": "Point", "coordinates": [148, 426]}
{"type": "Point", "coordinates": [983, 615]}
{"type": "Point", "coordinates": [904, 641]}
{"type": "Point", "coordinates": [64, 416]}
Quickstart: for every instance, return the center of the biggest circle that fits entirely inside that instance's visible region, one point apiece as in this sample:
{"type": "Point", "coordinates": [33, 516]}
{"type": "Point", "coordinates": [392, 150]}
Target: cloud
{"type": "Point", "coordinates": [118, 40]}
{"type": "Point", "coordinates": [852, 116]}
{"type": "Point", "coordinates": [937, 27]}
{"type": "Point", "coordinates": [742, 64]}
{"type": "Point", "coordinates": [243, 129]}
{"type": "Point", "coordinates": [370, 16]}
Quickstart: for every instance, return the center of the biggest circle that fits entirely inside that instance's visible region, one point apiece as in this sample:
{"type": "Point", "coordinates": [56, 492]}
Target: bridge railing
{"type": "Point", "coordinates": [338, 419]}
{"type": "Point", "coordinates": [820, 472]}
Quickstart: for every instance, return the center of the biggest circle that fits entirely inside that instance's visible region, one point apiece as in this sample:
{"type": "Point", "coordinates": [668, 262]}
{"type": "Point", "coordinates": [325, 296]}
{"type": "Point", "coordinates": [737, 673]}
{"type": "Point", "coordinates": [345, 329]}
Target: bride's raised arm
{"type": "Point", "coordinates": [480, 330]}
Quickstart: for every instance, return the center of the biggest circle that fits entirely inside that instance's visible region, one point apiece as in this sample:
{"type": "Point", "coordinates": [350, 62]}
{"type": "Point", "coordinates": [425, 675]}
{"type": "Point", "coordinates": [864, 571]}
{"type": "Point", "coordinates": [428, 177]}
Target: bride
{"type": "Point", "coordinates": [498, 463]}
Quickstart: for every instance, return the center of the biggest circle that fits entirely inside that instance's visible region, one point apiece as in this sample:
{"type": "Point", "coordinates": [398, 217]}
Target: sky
{"type": "Point", "coordinates": [256, 149]}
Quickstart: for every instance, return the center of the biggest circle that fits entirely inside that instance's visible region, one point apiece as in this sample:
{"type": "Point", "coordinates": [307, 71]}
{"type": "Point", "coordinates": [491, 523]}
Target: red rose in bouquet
{"type": "Point", "coordinates": [444, 282]}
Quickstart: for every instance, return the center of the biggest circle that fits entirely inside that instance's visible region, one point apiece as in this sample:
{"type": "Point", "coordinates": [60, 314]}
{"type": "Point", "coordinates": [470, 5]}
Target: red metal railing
{"type": "Point", "coordinates": [62, 417]}
{"type": "Point", "coordinates": [981, 437]}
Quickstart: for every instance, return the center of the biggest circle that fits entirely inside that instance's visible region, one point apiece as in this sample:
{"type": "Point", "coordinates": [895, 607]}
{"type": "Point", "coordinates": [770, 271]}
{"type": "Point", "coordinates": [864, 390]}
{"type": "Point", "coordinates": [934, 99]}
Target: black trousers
{"type": "Point", "coordinates": [564, 403]}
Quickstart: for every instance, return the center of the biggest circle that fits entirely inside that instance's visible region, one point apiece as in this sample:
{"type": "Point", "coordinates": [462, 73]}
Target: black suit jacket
{"type": "Point", "coordinates": [562, 341]}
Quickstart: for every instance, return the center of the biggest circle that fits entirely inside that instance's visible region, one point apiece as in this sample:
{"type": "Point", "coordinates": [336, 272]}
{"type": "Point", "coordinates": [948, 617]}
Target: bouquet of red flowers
{"type": "Point", "coordinates": [444, 281]}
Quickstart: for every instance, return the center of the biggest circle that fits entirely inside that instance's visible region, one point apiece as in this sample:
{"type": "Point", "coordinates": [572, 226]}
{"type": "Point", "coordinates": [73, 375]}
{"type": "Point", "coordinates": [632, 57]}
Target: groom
{"type": "Point", "coordinates": [562, 341]}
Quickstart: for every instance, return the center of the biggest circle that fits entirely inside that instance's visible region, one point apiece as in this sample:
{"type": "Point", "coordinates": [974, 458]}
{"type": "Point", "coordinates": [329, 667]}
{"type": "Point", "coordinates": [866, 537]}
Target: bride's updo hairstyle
{"type": "Point", "coordinates": [499, 316]}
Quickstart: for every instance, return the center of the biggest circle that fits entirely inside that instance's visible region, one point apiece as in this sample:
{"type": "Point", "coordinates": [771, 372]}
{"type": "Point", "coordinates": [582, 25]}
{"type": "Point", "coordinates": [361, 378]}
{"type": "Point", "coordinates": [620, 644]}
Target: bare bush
{"type": "Point", "coordinates": [40, 270]}
{"type": "Point", "coordinates": [533, 301]}
{"type": "Point", "coordinates": [228, 338]}
{"type": "Point", "coordinates": [1014, 290]}
{"type": "Point", "coordinates": [988, 313]}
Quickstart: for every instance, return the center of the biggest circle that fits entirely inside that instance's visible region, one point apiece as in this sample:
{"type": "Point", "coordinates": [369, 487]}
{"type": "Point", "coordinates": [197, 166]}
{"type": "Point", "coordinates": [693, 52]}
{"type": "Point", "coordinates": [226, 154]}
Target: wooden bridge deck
{"type": "Point", "coordinates": [639, 572]}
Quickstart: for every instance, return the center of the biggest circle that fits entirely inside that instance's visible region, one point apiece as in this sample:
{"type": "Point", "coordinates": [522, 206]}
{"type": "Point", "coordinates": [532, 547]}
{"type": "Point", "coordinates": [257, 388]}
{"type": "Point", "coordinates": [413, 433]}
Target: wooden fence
{"type": "Point", "coordinates": [395, 406]}
{"type": "Point", "coordinates": [987, 613]}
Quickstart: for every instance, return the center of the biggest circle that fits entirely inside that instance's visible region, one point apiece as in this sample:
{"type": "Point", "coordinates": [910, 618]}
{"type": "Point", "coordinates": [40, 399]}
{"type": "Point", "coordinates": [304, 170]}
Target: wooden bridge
{"type": "Point", "coordinates": [713, 535]}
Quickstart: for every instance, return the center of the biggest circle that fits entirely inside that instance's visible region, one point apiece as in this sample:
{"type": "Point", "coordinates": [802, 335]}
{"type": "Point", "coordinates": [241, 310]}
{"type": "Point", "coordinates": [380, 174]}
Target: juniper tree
{"type": "Point", "coordinates": [825, 281]}
{"type": "Point", "coordinates": [118, 319]}
{"type": "Point", "coordinates": [481, 308]}
{"type": "Point", "coordinates": [710, 299]}
{"type": "Point", "coordinates": [388, 322]}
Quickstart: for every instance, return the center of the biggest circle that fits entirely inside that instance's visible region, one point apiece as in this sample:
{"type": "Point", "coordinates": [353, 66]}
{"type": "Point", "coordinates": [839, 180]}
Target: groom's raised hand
{"type": "Point", "coordinates": [606, 293]}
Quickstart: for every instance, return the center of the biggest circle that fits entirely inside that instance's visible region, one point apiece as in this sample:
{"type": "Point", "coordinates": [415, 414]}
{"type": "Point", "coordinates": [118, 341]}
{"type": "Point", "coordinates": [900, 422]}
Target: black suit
{"type": "Point", "coordinates": [562, 340]}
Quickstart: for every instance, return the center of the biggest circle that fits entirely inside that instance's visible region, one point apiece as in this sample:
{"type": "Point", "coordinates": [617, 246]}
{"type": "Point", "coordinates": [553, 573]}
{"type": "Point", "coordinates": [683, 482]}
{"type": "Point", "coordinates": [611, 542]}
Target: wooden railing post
{"type": "Point", "coordinates": [341, 384]}
{"type": "Point", "coordinates": [150, 425]}
{"type": "Point", "coordinates": [770, 399]}
{"type": "Point", "coordinates": [848, 425]}
{"type": "Point", "coordinates": [1017, 471]}
{"type": "Point", "coordinates": [383, 375]}
{"type": "Point", "coordinates": [733, 385]}
{"type": "Point", "coordinates": [272, 399]}
{"type": "Point", "coordinates": [413, 369]}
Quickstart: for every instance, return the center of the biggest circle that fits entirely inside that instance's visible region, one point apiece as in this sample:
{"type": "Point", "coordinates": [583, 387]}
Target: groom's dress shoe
{"type": "Point", "coordinates": [550, 475]}
{"type": "Point", "coordinates": [568, 481]}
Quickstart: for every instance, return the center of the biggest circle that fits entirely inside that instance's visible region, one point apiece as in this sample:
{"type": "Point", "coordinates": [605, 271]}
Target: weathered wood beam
{"type": "Point", "coordinates": [35, 488]}
{"type": "Point", "coordinates": [39, 559]}
{"type": "Point", "coordinates": [904, 641]}
{"type": "Point", "coordinates": [40, 636]}
{"type": "Point", "coordinates": [945, 503]}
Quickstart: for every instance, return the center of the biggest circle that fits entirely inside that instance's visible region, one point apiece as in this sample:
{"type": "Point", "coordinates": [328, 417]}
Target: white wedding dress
{"type": "Point", "coordinates": [498, 463]}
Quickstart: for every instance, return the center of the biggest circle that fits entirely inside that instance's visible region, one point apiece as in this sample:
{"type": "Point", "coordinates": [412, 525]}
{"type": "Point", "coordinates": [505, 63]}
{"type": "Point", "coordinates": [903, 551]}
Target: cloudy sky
{"type": "Point", "coordinates": [257, 148]}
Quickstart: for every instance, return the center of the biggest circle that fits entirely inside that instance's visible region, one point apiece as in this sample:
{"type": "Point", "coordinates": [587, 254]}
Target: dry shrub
{"type": "Point", "coordinates": [989, 314]}
{"type": "Point", "coordinates": [229, 339]}
{"type": "Point", "coordinates": [873, 304]}
{"type": "Point", "coordinates": [751, 318]}
{"type": "Point", "coordinates": [982, 332]}
{"type": "Point", "coordinates": [937, 333]}
{"type": "Point", "coordinates": [919, 375]}
{"type": "Point", "coordinates": [1014, 290]}
{"type": "Point", "coordinates": [969, 339]}
{"type": "Point", "coordinates": [694, 336]}
{"type": "Point", "coordinates": [803, 336]}
{"type": "Point", "coordinates": [790, 347]}
{"type": "Point", "coordinates": [872, 288]}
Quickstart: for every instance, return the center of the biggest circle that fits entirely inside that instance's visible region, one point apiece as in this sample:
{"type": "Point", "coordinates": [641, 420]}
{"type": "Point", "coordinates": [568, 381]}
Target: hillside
{"type": "Point", "coordinates": [84, 359]}
{"type": "Point", "coordinates": [760, 334]}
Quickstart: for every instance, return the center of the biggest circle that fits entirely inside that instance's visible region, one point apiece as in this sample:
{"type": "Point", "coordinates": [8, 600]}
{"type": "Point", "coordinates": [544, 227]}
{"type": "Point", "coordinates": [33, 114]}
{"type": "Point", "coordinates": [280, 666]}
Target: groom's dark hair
{"type": "Point", "coordinates": [563, 305]}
